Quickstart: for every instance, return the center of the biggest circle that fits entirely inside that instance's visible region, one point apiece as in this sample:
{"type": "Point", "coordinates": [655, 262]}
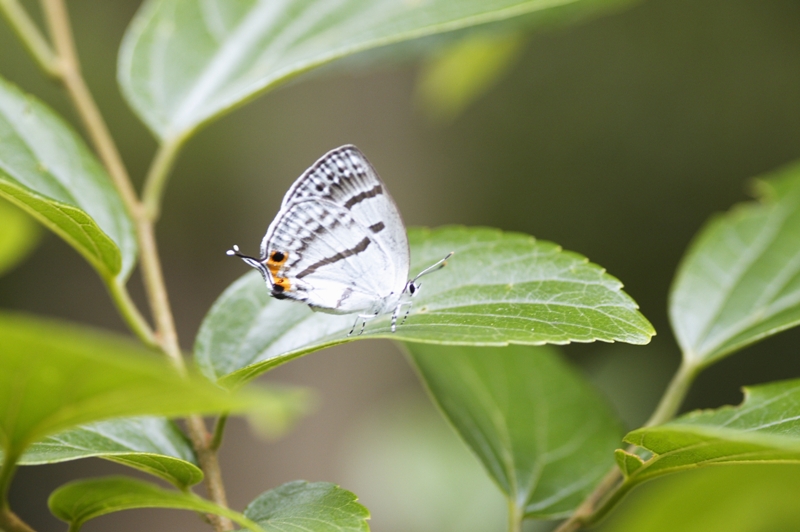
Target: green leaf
{"type": "Point", "coordinates": [151, 444]}
{"type": "Point", "coordinates": [740, 281]}
{"type": "Point", "coordinates": [745, 498]}
{"type": "Point", "coordinates": [183, 63]}
{"type": "Point", "coordinates": [82, 500]}
{"type": "Point", "coordinates": [450, 81]}
{"type": "Point", "coordinates": [307, 506]}
{"type": "Point", "coordinates": [764, 428]}
{"type": "Point", "coordinates": [540, 430]}
{"type": "Point", "coordinates": [18, 236]}
{"type": "Point", "coordinates": [499, 288]}
{"type": "Point", "coordinates": [47, 170]}
{"type": "Point", "coordinates": [56, 376]}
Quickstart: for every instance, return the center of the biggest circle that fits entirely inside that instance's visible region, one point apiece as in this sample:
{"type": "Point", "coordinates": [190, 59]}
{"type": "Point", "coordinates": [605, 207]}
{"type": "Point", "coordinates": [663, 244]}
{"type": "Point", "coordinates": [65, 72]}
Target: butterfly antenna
{"type": "Point", "coordinates": [251, 261]}
{"type": "Point", "coordinates": [234, 252]}
{"type": "Point", "coordinates": [430, 269]}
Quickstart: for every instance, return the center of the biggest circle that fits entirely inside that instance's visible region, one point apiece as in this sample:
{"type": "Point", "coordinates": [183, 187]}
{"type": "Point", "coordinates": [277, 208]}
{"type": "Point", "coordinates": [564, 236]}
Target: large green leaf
{"type": "Point", "coordinates": [82, 500]}
{"type": "Point", "coordinates": [46, 169]}
{"type": "Point", "coordinates": [308, 506]}
{"type": "Point", "coordinates": [498, 288]}
{"type": "Point", "coordinates": [745, 498]}
{"type": "Point", "coordinates": [151, 444]}
{"type": "Point", "coordinates": [764, 428]}
{"type": "Point", "coordinates": [55, 376]}
{"type": "Point", "coordinates": [185, 62]}
{"type": "Point", "coordinates": [740, 280]}
{"type": "Point", "coordinates": [18, 236]}
{"type": "Point", "coordinates": [543, 434]}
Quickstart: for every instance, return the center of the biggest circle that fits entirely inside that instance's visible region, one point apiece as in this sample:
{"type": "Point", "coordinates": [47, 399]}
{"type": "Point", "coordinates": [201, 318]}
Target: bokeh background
{"type": "Point", "coordinates": [616, 137]}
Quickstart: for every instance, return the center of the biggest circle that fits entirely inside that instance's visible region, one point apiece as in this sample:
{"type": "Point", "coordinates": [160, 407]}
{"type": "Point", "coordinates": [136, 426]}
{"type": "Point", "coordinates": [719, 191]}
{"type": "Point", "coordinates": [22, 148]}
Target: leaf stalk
{"type": "Point", "coordinates": [131, 314]}
{"type": "Point", "coordinates": [157, 176]}
{"type": "Point", "coordinates": [611, 489]}
{"type": "Point", "coordinates": [514, 516]}
{"type": "Point", "coordinates": [219, 430]}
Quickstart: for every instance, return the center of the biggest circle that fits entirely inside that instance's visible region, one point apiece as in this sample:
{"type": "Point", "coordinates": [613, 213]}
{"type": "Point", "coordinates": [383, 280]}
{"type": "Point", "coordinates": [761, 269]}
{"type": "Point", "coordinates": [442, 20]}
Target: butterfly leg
{"type": "Point", "coordinates": [406, 316]}
{"type": "Point", "coordinates": [396, 314]}
{"type": "Point", "coordinates": [364, 318]}
{"type": "Point", "coordinates": [353, 328]}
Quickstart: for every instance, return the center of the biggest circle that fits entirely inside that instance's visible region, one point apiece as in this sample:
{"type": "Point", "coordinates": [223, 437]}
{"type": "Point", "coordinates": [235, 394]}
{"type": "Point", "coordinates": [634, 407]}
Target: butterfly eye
{"type": "Point", "coordinates": [412, 288]}
{"type": "Point", "coordinates": [278, 256]}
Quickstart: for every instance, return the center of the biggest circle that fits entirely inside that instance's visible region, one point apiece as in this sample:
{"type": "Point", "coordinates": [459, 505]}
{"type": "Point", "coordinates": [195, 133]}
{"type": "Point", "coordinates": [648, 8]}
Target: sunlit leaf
{"type": "Point", "coordinates": [46, 169]}
{"type": "Point", "coordinates": [18, 236]}
{"type": "Point", "coordinates": [734, 499]}
{"type": "Point", "coordinates": [764, 428]}
{"type": "Point", "coordinates": [55, 376]}
{"type": "Point", "coordinates": [82, 500]}
{"type": "Point", "coordinates": [151, 444]}
{"type": "Point", "coordinates": [311, 506]}
{"type": "Point", "coordinates": [498, 288]}
{"type": "Point", "coordinates": [541, 431]}
{"type": "Point", "coordinates": [184, 62]}
{"type": "Point", "coordinates": [740, 280]}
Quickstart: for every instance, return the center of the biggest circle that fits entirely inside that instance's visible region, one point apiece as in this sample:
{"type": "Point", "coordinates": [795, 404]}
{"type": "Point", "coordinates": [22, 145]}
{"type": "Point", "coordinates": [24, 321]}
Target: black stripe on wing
{"type": "Point", "coordinates": [343, 176]}
{"type": "Point", "coordinates": [377, 190]}
{"type": "Point", "coordinates": [355, 250]}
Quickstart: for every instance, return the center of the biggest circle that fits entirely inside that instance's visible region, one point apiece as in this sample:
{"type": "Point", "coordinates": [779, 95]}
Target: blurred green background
{"type": "Point", "coordinates": [616, 138]}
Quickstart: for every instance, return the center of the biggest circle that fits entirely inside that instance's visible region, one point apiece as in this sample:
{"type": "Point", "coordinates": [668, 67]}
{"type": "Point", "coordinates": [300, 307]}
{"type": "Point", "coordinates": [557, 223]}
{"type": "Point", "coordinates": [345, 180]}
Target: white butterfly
{"type": "Point", "coordinates": [338, 243]}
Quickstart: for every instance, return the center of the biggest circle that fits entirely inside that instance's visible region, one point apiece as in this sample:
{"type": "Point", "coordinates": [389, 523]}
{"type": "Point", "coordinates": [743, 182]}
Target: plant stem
{"type": "Point", "coordinates": [157, 293]}
{"type": "Point", "coordinates": [130, 313]}
{"type": "Point", "coordinates": [587, 507]}
{"type": "Point", "coordinates": [7, 469]}
{"type": "Point", "coordinates": [210, 466]}
{"type": "Point", "coordinates": [157, 176]}
{"type": "Point", "coordinates": [31, 37]}
{"type": "Point", "coordinates": [8, 519]}
{"type": "Point", "coordinates": [514, 516]}
{"type": "Point", "coordinates": [610, 490]}
{"type": "Point", "coordinates": [10, 522]}
{"type": "Point", "coordinates": [674, 395]}
{"type": "Point", "coordinates": [219, 430]}
{"type": "Point", "coordinates": [68, 72]}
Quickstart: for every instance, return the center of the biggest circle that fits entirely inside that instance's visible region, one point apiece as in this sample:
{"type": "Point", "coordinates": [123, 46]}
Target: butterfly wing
{"type": "Point", "coordinates": [343, 177]}
{"type": "Point", "coordinates": [319, 254]}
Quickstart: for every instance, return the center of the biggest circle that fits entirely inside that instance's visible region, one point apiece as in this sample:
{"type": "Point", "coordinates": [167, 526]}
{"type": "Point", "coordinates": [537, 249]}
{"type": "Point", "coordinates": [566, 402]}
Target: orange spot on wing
{"type": "Point", "coordinates": [275, 263]}
{"type": "Point", "coordinates": [283, 282]}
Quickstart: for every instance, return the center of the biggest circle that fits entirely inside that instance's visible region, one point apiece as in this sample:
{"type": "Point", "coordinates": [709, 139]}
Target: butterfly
{"type": "Point", "coordinates": [338, 243]}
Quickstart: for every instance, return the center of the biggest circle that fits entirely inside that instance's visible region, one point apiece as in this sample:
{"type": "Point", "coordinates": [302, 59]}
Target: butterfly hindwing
{"type": "Point", "coordinates": [326, 258]}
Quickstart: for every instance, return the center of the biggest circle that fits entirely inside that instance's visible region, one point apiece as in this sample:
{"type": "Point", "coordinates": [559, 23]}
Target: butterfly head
{"type": "Point", "coordinates": [269, 268]}
{"type": "Point", "coordinates": [412, 287]}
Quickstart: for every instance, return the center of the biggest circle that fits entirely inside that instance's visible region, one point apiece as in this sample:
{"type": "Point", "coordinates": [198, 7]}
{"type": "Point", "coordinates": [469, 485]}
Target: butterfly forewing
{"type": "Point", "coordinates": [346, 179]}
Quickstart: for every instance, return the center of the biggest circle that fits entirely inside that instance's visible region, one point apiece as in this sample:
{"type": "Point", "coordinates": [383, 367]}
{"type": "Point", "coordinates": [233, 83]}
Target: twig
{"type": "Point", "coordinates": [69, 74]}
{"type": "Point", "coordinates": [10, 522]}
{"type": "Point", "coordinates": [608, 492]}
{"type": "Point", "coordinates": [8, 519]}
